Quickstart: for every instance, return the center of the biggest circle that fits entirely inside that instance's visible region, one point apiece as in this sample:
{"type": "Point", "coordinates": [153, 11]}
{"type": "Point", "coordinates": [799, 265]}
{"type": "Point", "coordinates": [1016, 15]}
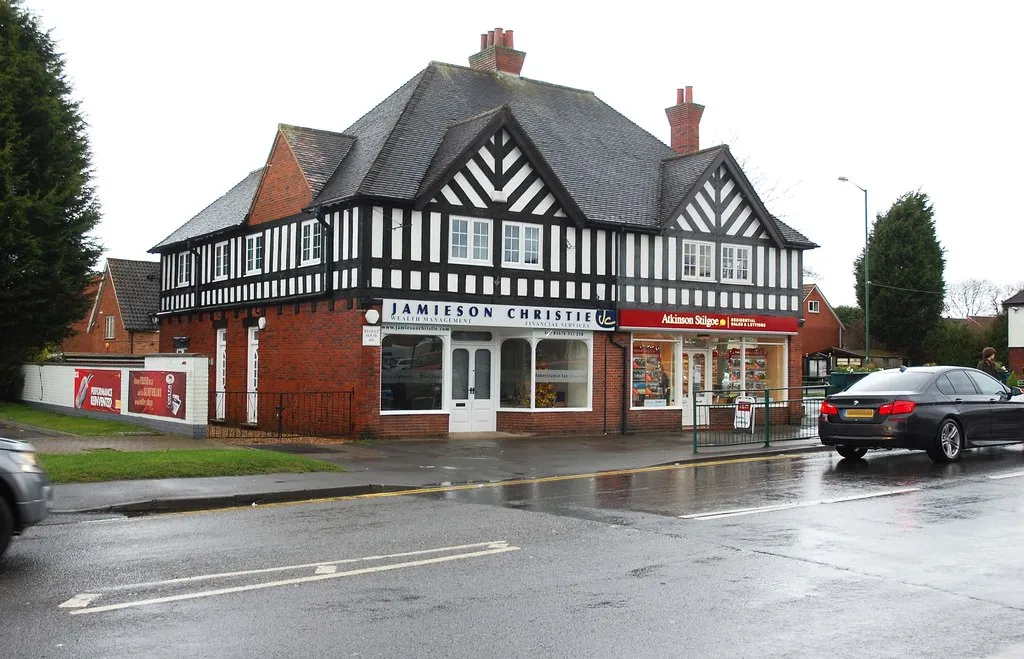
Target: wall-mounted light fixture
{"type": "Point", "coordinates": [372, 316]}
{"type": "Point", "coordinates": [262, 323]}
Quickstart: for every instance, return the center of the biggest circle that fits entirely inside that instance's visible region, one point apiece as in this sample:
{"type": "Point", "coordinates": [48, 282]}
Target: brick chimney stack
{"type": "Point", "coordinates": [497, 53]}
{"type": "Point", "coordinates": [684, 119]}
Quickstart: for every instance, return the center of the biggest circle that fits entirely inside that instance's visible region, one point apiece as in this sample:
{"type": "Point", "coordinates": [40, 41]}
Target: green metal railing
{"type": "Point", "coordinates": [735, 418]}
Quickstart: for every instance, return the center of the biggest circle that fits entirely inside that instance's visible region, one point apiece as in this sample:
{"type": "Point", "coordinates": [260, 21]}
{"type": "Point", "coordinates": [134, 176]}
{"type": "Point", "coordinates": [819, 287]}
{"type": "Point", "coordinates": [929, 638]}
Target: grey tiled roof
{"type": "Point", "coordinates": [608, 165]}
{"type": "Point", "coordinates": [1016, 299]}
{"type": "Point", "coordinates": [137, 286]}
{"type": "Point", "coordinates": [679, 175]}
{"type": "Point", "coordinates": [318, 152]}
{"type": "Point", "coordinates": [456, 140]}
{"type": "Point", "coordinates": [792, 236]}
{"type": "Point", "coordinates": [228, 211]}
{"type": "Point", "coordinates": [807, 290]}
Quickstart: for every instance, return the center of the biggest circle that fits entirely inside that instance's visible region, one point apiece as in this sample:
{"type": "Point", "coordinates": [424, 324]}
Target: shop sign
{"type": "Point", "coordinates": [158, 393]}
{"type": "Point", "coordinates": [708, 322]}
{"type": "Point", "coordinates": [496, 315]}
{"type": "Point", "coordinates": [99, 391]}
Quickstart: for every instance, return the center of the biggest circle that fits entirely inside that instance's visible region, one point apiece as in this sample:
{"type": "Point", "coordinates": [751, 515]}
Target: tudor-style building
{"type": "Point", "coordinates": [485, 252]}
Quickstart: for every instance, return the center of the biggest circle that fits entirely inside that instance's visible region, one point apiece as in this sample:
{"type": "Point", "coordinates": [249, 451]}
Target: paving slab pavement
{"type": "Point", "coordinates": [397, 465]}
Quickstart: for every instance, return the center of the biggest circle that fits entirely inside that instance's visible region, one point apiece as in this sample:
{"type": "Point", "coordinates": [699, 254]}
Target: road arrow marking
{"type": "Point", "coordinates": [79, 601]}
{"type": "Point", "coordinates": [801, 504]}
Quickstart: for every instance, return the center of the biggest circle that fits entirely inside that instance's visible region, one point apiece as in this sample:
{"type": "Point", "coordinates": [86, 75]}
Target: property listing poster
{"type": "Point", "coordinates": [98, 391]}
{"type": "Point", "coordinates": [159, 393]}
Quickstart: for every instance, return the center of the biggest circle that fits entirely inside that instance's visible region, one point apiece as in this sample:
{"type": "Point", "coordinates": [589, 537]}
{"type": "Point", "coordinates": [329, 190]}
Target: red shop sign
{"type": "Point", "coordinates": [708, 322]}
{"type": "Point", "coordinates": [160, 393]}
{"type": "Point", "coordinates": [99, 391]}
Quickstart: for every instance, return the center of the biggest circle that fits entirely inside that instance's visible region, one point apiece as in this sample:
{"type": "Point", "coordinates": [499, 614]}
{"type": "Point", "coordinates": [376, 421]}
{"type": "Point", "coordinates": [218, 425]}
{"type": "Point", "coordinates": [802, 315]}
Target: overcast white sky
{"type": "Point", "coordinates": [183, 99]}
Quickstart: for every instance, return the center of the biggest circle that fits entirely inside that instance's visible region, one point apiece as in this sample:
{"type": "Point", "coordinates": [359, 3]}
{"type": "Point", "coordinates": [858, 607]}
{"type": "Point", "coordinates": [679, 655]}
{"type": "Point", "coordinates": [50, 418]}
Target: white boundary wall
{"type": "Point", "coordinates": [52, 386]}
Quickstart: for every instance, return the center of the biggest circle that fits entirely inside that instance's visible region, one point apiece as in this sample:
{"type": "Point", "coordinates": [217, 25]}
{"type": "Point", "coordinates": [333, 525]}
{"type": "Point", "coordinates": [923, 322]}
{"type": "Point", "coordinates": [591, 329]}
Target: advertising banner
{"type": "Point", "coordinates": [708, 322]}
{"type": "Point", "coordinates": [158, 393]}
{"type": "Point", "coordinates": [99, 391]}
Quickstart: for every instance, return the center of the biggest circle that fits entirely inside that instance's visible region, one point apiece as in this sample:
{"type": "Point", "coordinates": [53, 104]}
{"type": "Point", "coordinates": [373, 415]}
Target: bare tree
{"type": "Point", "coordinates": [1004, 292]}
{"type": "Point", "coordinates": [970, 297]}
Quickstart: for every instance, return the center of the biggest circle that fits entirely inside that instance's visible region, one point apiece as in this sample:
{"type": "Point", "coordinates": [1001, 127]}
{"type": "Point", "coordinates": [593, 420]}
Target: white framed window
{"type": "Point", "coordinates": [254, 254]}
{"type": "Point", "coordinates": [108, 327]}
{"type": "Point", "coordinates": [221, 259]}
{"type": "Point", "coordinates": [698, 260]}
{"type": "Point", "coordinates": [521, 245]}
{"type": "Point", "coordinates": [469, 241]}
{"type": "Point", "coordinates": [736, 264]}
{"type": "Point", "coordinates": [813, 306]}
{"type": "Point", "coordinates": [312, 243]}
{"type": "Point", "coordinates": [184, 277]}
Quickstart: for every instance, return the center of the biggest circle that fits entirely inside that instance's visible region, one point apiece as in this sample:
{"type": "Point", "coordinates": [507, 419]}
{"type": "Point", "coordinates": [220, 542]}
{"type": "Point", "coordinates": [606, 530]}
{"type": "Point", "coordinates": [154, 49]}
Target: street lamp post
{"type": "Point", "coordinates": [867, 282]}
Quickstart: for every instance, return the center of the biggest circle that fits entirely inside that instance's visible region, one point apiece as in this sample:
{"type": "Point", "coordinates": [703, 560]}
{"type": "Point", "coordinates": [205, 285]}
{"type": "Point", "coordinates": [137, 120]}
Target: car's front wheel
{"type": "Point", "coordinates": [6, 524]}
{"type": "Point", "coordinates": [851, 452]}
{"type": "Point", "coordinates": [949, 443]}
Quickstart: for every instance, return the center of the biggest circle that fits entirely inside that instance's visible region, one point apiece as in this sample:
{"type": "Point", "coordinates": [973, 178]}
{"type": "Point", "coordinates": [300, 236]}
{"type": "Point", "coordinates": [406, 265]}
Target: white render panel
{"type": "Point", "coordinates": [783, 303]}
{"type": "Point", "coordinates": [554, 289]}
{"type": "Point", "coordinates": [435, 281]}
{"type": "Point", "coordinates": [771, 302]}
{"type": "Point", "coordinates": [658, 295]}
{"type": "Point", "coordinates": [482, 179]}
{"type": "Point", "coordinates": [709, 299]}
{"type": "Point", "coordinates": [671, 296]}
{"type": "Point", "coordinates": [601, 267]}
{"type": "Point", "coordinates": [630, 293]}
{"type": "Point", "coordinates": [671, 258]}
{"type": "Point", "coordinates": [760, 266]}
{"type": "Point", "coordinates": [1015, 322]}
{"type": "Point", "coordinates": [659, 244]}
{"type": "Point", "coordinates": [471, 284]}
{"type": "Point", "coordinates": [485, 155]}
{"type": "Point", "coordinates": [754, 227]}
{"type": "Point", "coordinates": [527, 196]}
{"type": "Point", "coordinates": [645, 256]}
{"type": "Point", "coordinates": [723, 300]}
{"type": "Point", "coordinates": [794, 276]}
{"type": "Point", "coordinates": [735, 300]}
{"type": "Point", "coordinates": [521, 285]}
{"type": "Point", "coordinates": [783, 269]}
{"type": "Point", "coordinates": [506, 286]}
{"type": "Point", "coordinates": [602, 292]}
{"type": "Point", "coordinates": [729, 210]}
{"type": "Point", "coordinates": [698, 298]}
{"type": "Point", "coordinates": [510, 160]}
{"type": "Point", "coordinates": [794, 303]}
{"type": "Point", "coordinates": [556, 247]}
{"type": "Point", "coordinates": [773, 282]}
{"type": "Point", "coordinates": [684, 297]}
{"type": "Point", "coordinates": [450, 196]}
{"type": "Point", "coordinates": [570, 290]}
{"type": "Point", "coordinates": [435, 238]}
{"type": "Point", "coordinates": [396, 279]}
{"type": "Point", "coordinates": [570, 258]}
{"type": "Point", "coordinates": [397, 227]}
{"type": "Point", "coordinates": [694, 215]}
{"type": "Point", "coordinates": [416, 236]}
{"type": "Point", "coordinates": [748, 301]}
{"type": "Point", "coordinates": [415, 280]}
{"type": "Point", "coordinates": [520, 176]}
{"type": "Point", "coordinates": [538, 288]}
{"type": "Point", "coordinates": [488, 285]}
{"type": "Point", "coordinates": [453, 282]}
{"type": "Point", "coordinates": [336, 230]}
{"type": "Point", "coordinates": [585, 262]}
{"type": "Point", "coordinates": [545, 204]}
{"type": "Point", "coordinates": [337, 282]}
{"type": "Point", "coordinates": [376, 277]}
{"type": "Point", "coordinates": [377, 232]}
{"type": "Point", "coordinates": [346, 227]}
{"type": "Point", "coordinates": [469, 191]}
{"type": "Point", "coordinates": [645, 296]}
{"type": "Point", "coordinates": [291, 230]}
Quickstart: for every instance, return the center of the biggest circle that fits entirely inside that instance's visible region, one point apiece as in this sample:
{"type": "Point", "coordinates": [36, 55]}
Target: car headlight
{"type": "Point", "coordinates": [26, 461]}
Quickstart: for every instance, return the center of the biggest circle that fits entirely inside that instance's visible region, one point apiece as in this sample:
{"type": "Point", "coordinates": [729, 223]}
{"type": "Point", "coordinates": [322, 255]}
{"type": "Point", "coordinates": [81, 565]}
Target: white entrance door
{"type": "Point", "coordinates": [253, 376]}
{"type": "Point", "coordinates": [473, 407]}
{"type": "Point", "coordinates": [695, 386]}
{"type": "Point", "coordinates": [221, 377]}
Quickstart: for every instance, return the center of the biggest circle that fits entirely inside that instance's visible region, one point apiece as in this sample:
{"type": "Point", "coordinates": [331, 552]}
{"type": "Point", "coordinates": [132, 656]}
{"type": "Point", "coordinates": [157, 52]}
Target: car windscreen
{"type": "Point", "coordinates": [892, 381]}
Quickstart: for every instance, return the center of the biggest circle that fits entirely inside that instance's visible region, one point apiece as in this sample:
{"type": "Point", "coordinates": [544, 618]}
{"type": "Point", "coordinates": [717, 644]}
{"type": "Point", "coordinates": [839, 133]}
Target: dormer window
{"type": "Point", "coordinates": [813, 306]}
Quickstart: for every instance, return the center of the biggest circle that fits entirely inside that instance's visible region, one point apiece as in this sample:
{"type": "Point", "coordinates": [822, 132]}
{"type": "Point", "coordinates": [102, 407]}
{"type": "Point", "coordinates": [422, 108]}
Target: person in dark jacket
{"type": "Point", "coordinates": [988, 362]}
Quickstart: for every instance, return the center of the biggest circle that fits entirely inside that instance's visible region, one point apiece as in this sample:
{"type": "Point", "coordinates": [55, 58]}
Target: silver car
{"type": "Point", "coordinates": [25, 491]}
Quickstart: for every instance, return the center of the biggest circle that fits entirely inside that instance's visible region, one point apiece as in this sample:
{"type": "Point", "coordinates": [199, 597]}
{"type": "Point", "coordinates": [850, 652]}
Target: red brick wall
{"type": "Point", "coordinates": [283, 192]}
{"type": "Point", "coordinates": [821, 330]}
{"type": "Point", "coordinates": [1016, 359]}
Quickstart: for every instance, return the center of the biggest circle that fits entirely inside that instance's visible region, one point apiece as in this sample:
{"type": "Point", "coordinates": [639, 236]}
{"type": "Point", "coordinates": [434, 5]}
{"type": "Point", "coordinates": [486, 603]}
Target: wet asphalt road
{"type": "Point", "coordinates": [796, 556]}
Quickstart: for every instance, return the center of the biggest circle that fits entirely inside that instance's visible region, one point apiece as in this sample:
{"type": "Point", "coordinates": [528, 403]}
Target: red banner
{"type": "Point", "coordinates": [99, 391]}
{"type": "Point", "coordinates": [707, 322]}
{"type": "Point", "coordinates": [159, 393]}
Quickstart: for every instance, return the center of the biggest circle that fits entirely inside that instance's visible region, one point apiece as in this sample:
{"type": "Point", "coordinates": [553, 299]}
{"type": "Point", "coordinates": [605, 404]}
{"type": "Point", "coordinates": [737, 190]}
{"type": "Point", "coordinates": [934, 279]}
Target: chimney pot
{"type": "Point", "coordinates": [497, 54]}
{"type": "Point", "coordinates": [499, 37]}
{"type": "Point", "coordinates": [490, 38]}
{"type": "Point", "coordinates": [679, 97]}
{"type": "Point", "coordinates": [508, 39]}
{"type": "Point", "coordinates": [483, 41]}
{"type": "Point", "coordinates": [689, 94]}
{"type": "Point", "coordinates": [684, 121]}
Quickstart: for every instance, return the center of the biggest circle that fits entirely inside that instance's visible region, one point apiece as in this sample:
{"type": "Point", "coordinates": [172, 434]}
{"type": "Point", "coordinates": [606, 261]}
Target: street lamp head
{"type": "Point", "coordinates": [844, 179]}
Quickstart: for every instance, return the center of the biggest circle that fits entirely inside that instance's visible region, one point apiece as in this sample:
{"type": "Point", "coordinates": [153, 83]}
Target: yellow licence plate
{"type": "Point", "coordinates": [860, 414]}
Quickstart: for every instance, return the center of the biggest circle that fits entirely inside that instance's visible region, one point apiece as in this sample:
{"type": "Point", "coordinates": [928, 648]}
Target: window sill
{"type": "Point", "coordinates": [304, 264]}
{"type": "Point", "coordinates": [737, 282]}
{"type": "Point", "coordinates": [520, 410]}
{"type": "Point", "coordinates": [482, 264]}
{"type": "Point", "coordinates": [409, 412]}
{"type": "Point", "coordinates": [520, 266]}
{"type": "Point", "coordinates": [677, 408]}
{"type": "Point", "coordinates": [220, 278]}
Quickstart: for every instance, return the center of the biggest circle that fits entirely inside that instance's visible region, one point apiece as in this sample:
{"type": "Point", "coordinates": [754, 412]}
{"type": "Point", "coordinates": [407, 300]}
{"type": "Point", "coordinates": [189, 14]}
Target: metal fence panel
{"type": "Point", "coordinates": [255, 415]}
{"type": "Point", "coordinates": [779, 415]}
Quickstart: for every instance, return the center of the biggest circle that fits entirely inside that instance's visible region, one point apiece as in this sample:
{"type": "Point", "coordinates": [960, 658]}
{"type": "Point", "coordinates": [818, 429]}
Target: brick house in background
{"type": "Point", "coordinates": [1014, 307]}
{"type": "Point", "coordinates": [125, 298]}
{"type": "Point", "coordinates": [821, 334]}
{"type": "Point", "coordinates": [482, 252]}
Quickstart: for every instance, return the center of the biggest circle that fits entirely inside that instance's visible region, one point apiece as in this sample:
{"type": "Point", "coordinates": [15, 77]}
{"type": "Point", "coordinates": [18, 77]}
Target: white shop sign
{"type": "Point", "coordinates": [371, 335]}
{"type": "Point", "coordinates": [743, 417]}
{"type": "Point", "coordinates": [496, 315]}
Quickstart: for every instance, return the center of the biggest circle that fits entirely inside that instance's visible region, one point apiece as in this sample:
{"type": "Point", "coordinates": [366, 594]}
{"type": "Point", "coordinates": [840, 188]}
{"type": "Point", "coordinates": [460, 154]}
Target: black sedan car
{"type": "Point", "coordinates": [939, 409]}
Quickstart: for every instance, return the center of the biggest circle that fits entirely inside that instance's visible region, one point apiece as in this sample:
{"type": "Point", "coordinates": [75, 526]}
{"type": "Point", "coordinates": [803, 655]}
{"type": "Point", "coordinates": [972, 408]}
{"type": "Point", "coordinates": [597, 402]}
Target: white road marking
{"type": "Point", "coordinates": [503, 548]}
{"type": "Point", "coordinates": [79, 601]}
{"type": "Point", "coordinates": [326, 569]}
{"type": "Point", "coordinates": [493, 544]}
{"type": "Point", "coordinates": [800, 504]}
{"type": "Point", "coordinates": [1012, 474]}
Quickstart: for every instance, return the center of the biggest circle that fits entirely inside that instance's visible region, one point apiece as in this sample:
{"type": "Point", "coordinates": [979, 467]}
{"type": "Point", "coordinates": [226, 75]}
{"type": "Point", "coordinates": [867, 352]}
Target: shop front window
{"type": "Point", "coordinates": [747, 367]}
{"type": "Point", "coordinates": [562, 374]}
{"type": "Point", "coordinates": [411, 376]}
{"type": "Point", "coordinates": [515, 373]}
{"type": "Point", "coordinates": [654, 372]}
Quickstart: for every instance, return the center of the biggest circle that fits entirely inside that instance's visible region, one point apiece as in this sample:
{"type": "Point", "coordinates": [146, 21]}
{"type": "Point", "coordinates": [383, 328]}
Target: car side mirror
{"type": "Point", "coordinates": [1015, 391]}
